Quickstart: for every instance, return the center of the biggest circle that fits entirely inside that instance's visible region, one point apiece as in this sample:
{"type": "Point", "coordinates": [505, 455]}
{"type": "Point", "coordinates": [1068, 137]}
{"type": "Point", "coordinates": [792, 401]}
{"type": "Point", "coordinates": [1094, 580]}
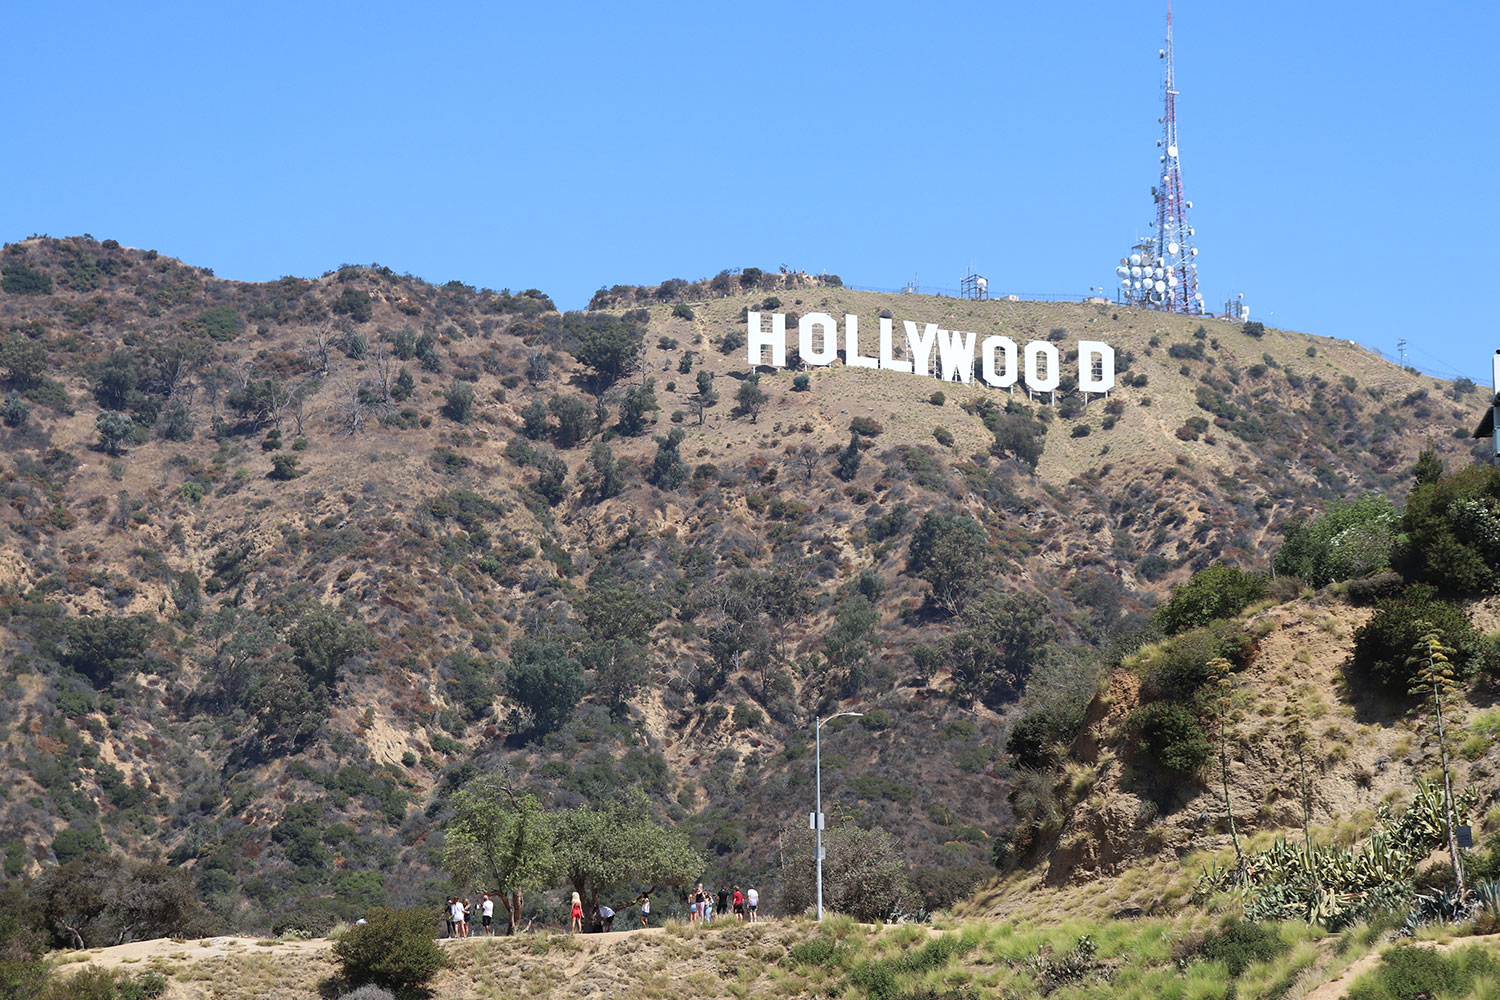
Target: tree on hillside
{"type": "Point", "coordinates": [751, 398]}
{"type": "Point", "coordinates": [544, 682]}
{"type": "Point", "coordinates": [618, 848]}
{"type": "Point", "coordinates": [115, 428]}
{"type": "Point", "coordinates": [668, 470]}
{"type": "Point", "coordinates": [501, 838]}
{"type": "Point", "coordinates": [609, 345]}
{"type": "Point", "coordinates": [636, 406]}
{"type": "Point", "coordinates": [950, 552]}
{"type": "Point", "coordinates": [1429, 468]}
{"type": "Point", "coordinates": [103, 899]}
{"type": "Point", "coordinates": [607, 479]}
{"type": "Point", "coordinates": [849, 644]}
{"type": "Point", "coordinates": [618, 619]}
{"type": "Point", "coordinates": [849, 458]}
{"type": "Point", "coordinates": [705, 396]}
{"type": "Point", "coordinates": [323, 639]}
{"type": "Point", "coordinates": [1004, 638]}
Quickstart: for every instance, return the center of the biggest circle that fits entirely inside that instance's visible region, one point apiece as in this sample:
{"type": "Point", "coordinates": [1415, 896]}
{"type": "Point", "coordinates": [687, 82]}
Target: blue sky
{"type": "Point", "coordinates": [1340, 157]}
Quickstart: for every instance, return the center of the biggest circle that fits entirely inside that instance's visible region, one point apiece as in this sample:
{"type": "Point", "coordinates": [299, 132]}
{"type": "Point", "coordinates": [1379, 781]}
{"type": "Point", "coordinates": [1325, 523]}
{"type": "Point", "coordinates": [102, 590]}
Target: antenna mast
{"type": "Point", "coordinates": [1162, 271]}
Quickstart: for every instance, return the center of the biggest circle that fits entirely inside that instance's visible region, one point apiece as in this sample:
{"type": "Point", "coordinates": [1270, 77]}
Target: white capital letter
{"type": "Point", "coordinates": [1088, 350]}
{"type": "Point", "coordinates": [888, 359]}
{"type": "Point", "coordinates": [1035, 382]}
{"type": "Point", "coordinates": [956, 350]}
{"type": "Point", "coordinates": [919, 349]}
{"type": "Point", "coordinates": [1000, 380]}
{"type": "Point", "coordinates": [758, 339]}
{"type": "Point", "coordinates": [851, 345]}
{"type": "Point", "coordinates": [830, 331]}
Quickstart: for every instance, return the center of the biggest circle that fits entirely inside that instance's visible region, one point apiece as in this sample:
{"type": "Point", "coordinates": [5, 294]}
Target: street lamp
{"type": "Point", "coordinates": [817, 817]}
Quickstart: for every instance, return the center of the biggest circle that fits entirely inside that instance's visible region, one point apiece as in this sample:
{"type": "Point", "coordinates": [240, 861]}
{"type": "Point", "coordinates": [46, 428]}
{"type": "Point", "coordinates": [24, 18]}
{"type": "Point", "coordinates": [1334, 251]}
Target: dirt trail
{"type": "Point", "coordinates": [1335, 988]}
{"type": "Point", "coordinates": [179, 949]}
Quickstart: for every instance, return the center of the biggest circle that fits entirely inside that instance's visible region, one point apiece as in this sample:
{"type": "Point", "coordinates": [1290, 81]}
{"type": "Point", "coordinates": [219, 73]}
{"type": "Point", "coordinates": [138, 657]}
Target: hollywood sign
{"type": "Point", "coordinates": [949, 355]}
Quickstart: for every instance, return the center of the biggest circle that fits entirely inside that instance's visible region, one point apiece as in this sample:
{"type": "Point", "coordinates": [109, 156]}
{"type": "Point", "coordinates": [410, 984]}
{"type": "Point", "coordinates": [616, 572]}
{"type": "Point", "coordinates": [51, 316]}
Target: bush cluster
{"type": "Point", "coordinates": [393, 949]}
{"type": "Point", "coordinates": [1383, 645]}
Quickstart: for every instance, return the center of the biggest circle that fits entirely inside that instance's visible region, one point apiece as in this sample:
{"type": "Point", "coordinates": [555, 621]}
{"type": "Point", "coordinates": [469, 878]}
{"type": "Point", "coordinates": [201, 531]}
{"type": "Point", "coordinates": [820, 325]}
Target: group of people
{"type": "Point", "coordinates": [701, 904]}
{"type": "Point", "coordinates": [459, 912]}
{"type": "Point", "coordinates": [604, 914]}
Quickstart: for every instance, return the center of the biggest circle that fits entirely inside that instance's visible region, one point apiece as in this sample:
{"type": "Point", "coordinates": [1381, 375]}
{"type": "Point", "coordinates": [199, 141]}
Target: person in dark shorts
{"type": "Point", "coordinates": [487, 914]}
{"type": "Point", "coordinates": [606, 918]}
{"type": "Point", "coordinates": [738, 900]}
{"type": "Point", "coordinates": [448, 915]}
{"type": "Point", "coordinates": [724, 902]}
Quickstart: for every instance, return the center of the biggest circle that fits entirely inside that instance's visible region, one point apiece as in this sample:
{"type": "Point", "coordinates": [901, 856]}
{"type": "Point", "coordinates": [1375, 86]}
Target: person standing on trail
{"type": "Point", "coordinates": [576, 913]}
{"type": "Point", "coordinates": [707, 906]}
{"type": "Point", "coordinates": [487, 914]}
{"type": "Point", "coordinates": [739, 905]}
{"type": "Point", "coordinates": [448, 917]}
{"type": "Point", "coordinates": [468, 911]}
{"type": "Point", "coordinates": [645, 909]}
{"type": "Point", "coordinates": [724, 903]}
{"type": "Point", "coordinates": [456, 917]}
{"type": "Point", "coordinates": [695, 904]}
{"type": "Point", "coordinates": [752, 900]}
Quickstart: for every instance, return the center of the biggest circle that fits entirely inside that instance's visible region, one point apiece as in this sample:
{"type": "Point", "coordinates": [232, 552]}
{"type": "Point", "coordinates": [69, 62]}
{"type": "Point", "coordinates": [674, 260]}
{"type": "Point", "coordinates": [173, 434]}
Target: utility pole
{"type": "Point", "coordinates": [816, 819]}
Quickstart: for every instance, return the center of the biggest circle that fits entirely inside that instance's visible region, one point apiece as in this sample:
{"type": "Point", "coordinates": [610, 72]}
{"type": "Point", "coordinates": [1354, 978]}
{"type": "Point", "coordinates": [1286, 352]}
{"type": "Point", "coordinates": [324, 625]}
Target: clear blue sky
{"type": "Point", "coordinates": [1340, 157]}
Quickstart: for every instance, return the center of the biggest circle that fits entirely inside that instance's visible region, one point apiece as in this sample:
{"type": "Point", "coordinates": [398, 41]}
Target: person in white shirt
{"type": "Point", "coordinates": [645, 909]}
{"type": "Point", "coordinates": [457, 909]}
{"type": "Point", "coordinates": [606, 918]}
{"type": "Point", "coordinates": [487, 914]}
{"type": "Point", "coordinates": [752, 900]}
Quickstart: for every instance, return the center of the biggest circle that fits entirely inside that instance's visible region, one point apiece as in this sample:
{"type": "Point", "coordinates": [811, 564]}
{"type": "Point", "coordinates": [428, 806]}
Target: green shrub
{"type": "Point", "coordinates": [823, 952]}
{"type": "Point", "coordinates": [220, 323]}
{"type": "Point", "coordinates": [1409, 973]}
{"type": "Point", "coordinates": [1036, 733]}
{"type": "Point", "coordinates": [394, 949]}
{"type": "Point", "coordinates": [284, 467]}
{"type": "Point", "coordinates": [682, 311]}
{"type": "Point", "coordinates": [1452, 532]}
{"type": "Point", "coordinates": [801, 382]}
{"type": "Point", "coordinates": [1352, 539]}
{"type": "Point", "coordinates": [22, 280]}
{"type": "Point", "coordinates": [944, 436]}
{"type": "Point", "coordinates": [867, 426]}
{"type": "Point", "coordinates": [1170, 737]}
{"type": "Point", "coordinates": [1383, 644]}
{"type": "Point", "coordinates": [1241, 943]}
{"type": "Point", "coordinates": [1213, 593]}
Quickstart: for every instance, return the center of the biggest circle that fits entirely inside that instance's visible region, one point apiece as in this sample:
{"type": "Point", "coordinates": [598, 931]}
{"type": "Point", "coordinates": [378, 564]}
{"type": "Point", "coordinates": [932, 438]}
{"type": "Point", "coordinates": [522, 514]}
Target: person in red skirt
{"type": "Point", "coordinates": [577, 913]}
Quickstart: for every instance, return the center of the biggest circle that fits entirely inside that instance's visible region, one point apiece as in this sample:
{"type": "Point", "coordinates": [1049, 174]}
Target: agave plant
{"type": "Point", "coordinates": [1335, 886]}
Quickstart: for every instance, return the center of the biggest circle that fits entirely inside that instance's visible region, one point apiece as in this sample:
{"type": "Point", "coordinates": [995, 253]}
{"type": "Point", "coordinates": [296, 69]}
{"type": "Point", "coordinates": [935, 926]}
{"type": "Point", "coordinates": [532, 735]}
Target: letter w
{"type": "Point", "coordinates": [957, 352]}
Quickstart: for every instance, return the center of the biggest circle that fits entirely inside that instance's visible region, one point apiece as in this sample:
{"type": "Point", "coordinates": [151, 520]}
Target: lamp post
{"type": "Point", "coordinates": [817, 816]}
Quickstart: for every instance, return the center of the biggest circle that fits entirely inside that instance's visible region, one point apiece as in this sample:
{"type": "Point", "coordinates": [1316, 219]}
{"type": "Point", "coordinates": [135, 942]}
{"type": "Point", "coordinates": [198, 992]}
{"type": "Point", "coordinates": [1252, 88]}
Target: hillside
{"type": "Point", "coordinates": [271, 552]}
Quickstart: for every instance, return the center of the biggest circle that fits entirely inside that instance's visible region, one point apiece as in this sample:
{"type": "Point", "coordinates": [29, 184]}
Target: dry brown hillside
{"type": "Point", "coordinates": [272, 552]}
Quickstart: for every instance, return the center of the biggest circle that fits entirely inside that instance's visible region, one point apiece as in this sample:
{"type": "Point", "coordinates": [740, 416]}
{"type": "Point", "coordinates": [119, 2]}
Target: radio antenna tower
{"type": "Point", "coordinates": [1162, 270]}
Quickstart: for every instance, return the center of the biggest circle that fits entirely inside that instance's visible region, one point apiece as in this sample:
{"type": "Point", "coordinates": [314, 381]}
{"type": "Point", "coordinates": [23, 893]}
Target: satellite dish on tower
{"type": "Point", "coordinates": [1172, 151]}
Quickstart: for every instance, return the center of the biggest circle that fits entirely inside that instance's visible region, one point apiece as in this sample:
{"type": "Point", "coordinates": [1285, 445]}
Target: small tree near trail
{"type": "Point", "coordinates": [502, 838]}
{"type": "Point", "coordinates": [619, 848]}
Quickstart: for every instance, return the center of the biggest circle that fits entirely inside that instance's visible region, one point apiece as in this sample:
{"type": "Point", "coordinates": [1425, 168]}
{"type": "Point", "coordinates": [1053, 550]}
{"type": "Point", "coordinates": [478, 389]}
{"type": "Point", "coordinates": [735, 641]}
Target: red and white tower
{"type": "Point", "coordinates": [1162, 270]}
